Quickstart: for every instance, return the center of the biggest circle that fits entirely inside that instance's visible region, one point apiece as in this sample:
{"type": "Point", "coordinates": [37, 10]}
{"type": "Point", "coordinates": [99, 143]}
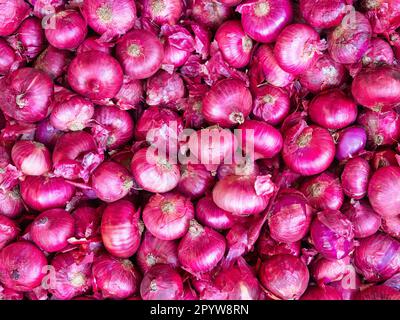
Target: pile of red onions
{"type": "Point", "coordinates": [199, 150]}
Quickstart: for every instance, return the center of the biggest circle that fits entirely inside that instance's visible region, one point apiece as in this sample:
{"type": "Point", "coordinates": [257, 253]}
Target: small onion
{"type": "Point", "coordinates": [379, 292]}
{"type": "Point", "coordinates": [167, 216]}
{"type": "Point", "coordinates": [210, 215]}
{"type": "Point", "coordinates": [11, 204]}
{"type": "Point", "coordinates": [22, 266]}
{"type": "Point", "coordinates": [8, 58]}
{"type": "Point", "coordinates": [350, 141]}
{"type": "Point", "coordinates": [323, 14]}
{"type": "Point", "coordinates": [378, 53]}
{"type": "Point", "coordinates": [365, 220]}
{"type": "Point", "coordinates": [325, 271]}
{"type": "Point", "coordinates": [53, 61]}
{"type": "Point", "coordinates": [332, 234]}
{"type": "Point", "coordinates": [200, 249]}
{"type": "Point", "coordinates": [321, 293]}
{"type": "Point", "coordinates": [210, 13]}
{"type": "Point", "coordinates": [391, 226]}
{"type": "Point", "coordinates": [178, 45]}
{"type": "Point", "coordinates": [87, 221]}
{"type": "Point", "coordinates": [285, 276]}
{"type": "Point", "coordinates": [9, 230]}
{"type": "Point", "coordinates": [355, 178]}
{"type": "Point", "coordinates": [195, 180]}
{"type": "Point", "coordinates": [164, 89]}
{"type": "Point", "coordinates": [31, 157]}
{"type": "Point", "coordinates": [12, 14]}
{"type": "Point", "coordinates": [120, 229]}
{"type": "Point", "coordinates": [163, 11]}
{"type": "Point", "coordinates": [161, 282]}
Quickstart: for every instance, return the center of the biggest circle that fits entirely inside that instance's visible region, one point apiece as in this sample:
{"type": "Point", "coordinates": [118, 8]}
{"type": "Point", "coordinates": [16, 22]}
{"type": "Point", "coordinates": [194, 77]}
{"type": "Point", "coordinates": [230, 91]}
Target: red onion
{"type": "Point", "coordinates": [8, 58]}
{"type": "Point", "coordinates": [377, 88]}
{"type": "Point", "coordinates": [164, 89]}
{"type": "Point", "coordinates": [267, 247]}
{"type": "Point", "coordinates": [377, 257]}
{"type": "Point", "coordinates": [94, 43]}
{"type": "Point", "coordinates": [31, 157]}
{"type": "Point", "coordinates": [195, 180]}
{"type": "Point", "coordinates": [263, 20]}
{"type": "Point", "coordinates": [95, 74]}
{"type": "Point", "coordinates": [383, 191]}
{"type": "Point", "coordinates": [9, 230]}
{"type": "Point", "coordinates": [167, 216]}
{"type": "Point", "coordinates": [348, 42]}
{"type": "Point", "coordinates": [227, 103]}
{"type": "Point", "coordinates": [73, 275]}
{"type": "Point", "coordinates": [243, 195]}
{"type": "Point", "coordinates": [297, 48]}
{"type": "Point", "coordinates": [10, 294]}
{"type": "Point", "coordinates": [53, 61]}
{"type": "Point", "coordinates": [45, 133]}
{"type": "Point", "coordinates": [29, 39]}
{"type": "Point", "coordinates": [355, 178]}
{"type": "Point", "coordinates": [380, 292]}
{"type": "Point", "coordinates": [208, 214]}
{"type": "Point", "coordinates": [325, 73]}
{"type": "Point", "coordinates": [163, 11]}
{"type": "Point", "coordinates": [161, 282]}
{"type": "Point", "coordinates": [321, 293]}
{"type": "Point", "coordinates": [332, 234]}
{"type": "Point", "coordinates": [364, 219]}
{"type": "Point", "coordinates": [130, 94]}
{"type": "Point", "coordinates": [308, 150]}
{"type": "Point", "coordinates": [154, 172]}
{"type": "Point", "coordinates": [12, 14]}
{"type": "Point", "coordinates": [120, 229]}
{"type": "Point", "coordinates": [323, 14]}
{"type": "Point", "coordinates": [72, 113]}
{"type": "Point", "coordinates": [108, 17]}
{"type": "Point", "coordinates": [290, 216]}
{"type": "Point", "coordinates": [154, 251]}
{"type": "Point", "coordinates": [111, 181]}
{"type": "Point", "coordinates": [115, 126]}
{"type": "Point", "coordinates": [87, 221]}
{"type": "Point", "coordinates": [26, 95]}
{"type": "Point", "coordinates": [382, 128]}
{"type": "Point", "coordinates": [332, 109]}
{"type": "Point", "coordinates": [349, 286]}
{"type": "Point", "coordinates": [378, 53]}
{"type": "Point", "coordinates": [178, 45]}
{"type": "Point", "coordinates": [51, 230]}
{"type": "Point", "coordinates": [42, 193]}
{"type": "Point", "coordinates": [391, 226]}
{"type": "Point", "coordinates": [115, 278]}
{"type": "Point", "coordinates": [43, 8]}
{"type": "Point", "coordinates": [384, 158]}
{"type": "Point", "coordinates": [140, 53]}
{"type": "Point", "coordinates": [285, 276]}
{"type": "Point", "coordinates": [22, 266]}
{"type": "Point", "coordinates": [350, 142]}
{"type": "Point", "coordinates": [11, 204]}
{"type": "Point", "coordinates": [383, 14]}
{"type": "Point", "coordinates": [200, 249]}
{"type": "Point", "coordinates": [210, 13]}
{"type": "Point", "coordinates": [234, 44]}
{"type": "Point", "coordinates": [393, 282]}
{"type": "Point", "coordinates": [325, 271]}
{"type": "Point", "coordinates": [271, 104]}
{"type": "Point", "coordinates": [67, 31]}
{"type": "Point", "coordinates": [323, 192]}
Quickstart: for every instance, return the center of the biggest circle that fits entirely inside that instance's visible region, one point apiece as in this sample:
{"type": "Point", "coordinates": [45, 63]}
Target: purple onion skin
{"type": "Point", "coordinates": [351, 141]}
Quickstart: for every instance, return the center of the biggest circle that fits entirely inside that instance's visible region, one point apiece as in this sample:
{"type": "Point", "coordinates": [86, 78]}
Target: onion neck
{"type": "Point", "coordinates": [304, 139]}
{"type": "Point", "coordinates": [261, 9]}
{"type": "Point", "coordinates": [78, 279]}
{"type": "Point", "coordinates": [167, 207]}
{"type": "Point", "coordinates": [153, 285]}
{"type": "Point", "coordinates": [127, 264]}
{"type": "Point", "coordinates": [15, 275]}
{"type": "Point", "coordinates": [20, 101]}
{"type": "Point", "coordinates": [104, 13]}
{"type": "Point", "coordinates": [134, 50]}
{"type": "Point", "coordinates": [236, 117]}
{"type": "Point", "coordinates": [316, 190]}
{"type": "Point", "coordinates": [151, 260]}
{"type": "Point", "coordinates": [195, 229]}
{"type": "Point", "coordinates": [247, 44]}
{"type": "Point", "coordinates": [158, 6]}
{"type": "Point", "coordinates": [269, 99]}
{"type": "Point", "coordinates": [378, 139]}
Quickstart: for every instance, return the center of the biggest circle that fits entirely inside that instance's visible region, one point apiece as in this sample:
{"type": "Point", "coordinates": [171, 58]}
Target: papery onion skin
{"type": "Point", "coordinates": [95, 75]}
{"type": "Point", "coordinates": [308, 151]}
{"type": "Point", "coordinates": [13, 12]}
{"type": "Point", "coordinates": [285, 276]}
{"type": "Point", "coordinates": [391, 226]}
{"type": "Point", "coordinates": [201, 249]}
{"type": "Point", "coordinates": [271, 104]}
{"type": "Point", "coordinates": [140, 54]}
{"type": "Point", "coordinates": [94, 43]}
{"type": "Point", "coordinates": [53, 61]}
{"type": "Point", "coordinates": [323, 191]}
{"type": "Point", "coordinates": [164, 89]}
{"type": "Point", "coordinates": [68, 30]}
{"type": "Point", "coordinates": [266, 140]}
{"type": "Point", "coordinates": [386, 255]}
{"type": "Point", "coordinates": [290, 216]}
{"type": "Point", "coordinates": [263, 20]}
{"type": "Point", "coordinates": [377, 88]}
{"type": "Point", "coordinates": [195, 180]}
{"type": "Point", "coordinates": [323, 14]}
{"type": "Point", "coordinates": [163, 11]}
{"type": "Point", "coordinates": [11, 204]}
{"type": "Point", "coordinates": [111, 181]}
{"type": "Point", "coordinates": [154, 251]}
{"type": "Point", "coordinates": [120, 229]}
{"type": "Point", "coordinates": [378, 53]}
{"type": "Point", "coordinates": [365, 220]}
{"type": "Point", "coordinates": [325, 271]}
{"type": "Point", "coordinates": [378, 292]}
{"type": "Point", "coordinates": [109, 18]}
{"type": "Point", "coordinates": [8, 58]}
{"type": "Point", "coordinates": [383, 191]}
{"type": "Point", "coordinates": [348, 42]}
{"type": "Point", "coordinates": [9, 230]}
{"type": "Point", "coordinates": [228, 103]}
{"type": "Point", "coordinates": [325, 73]}
{"type": "Point", "coordinates": [51, 230]}
{"type": "Point", "coordinates": [355, 178]}
{"type": "Point", "coordinates": [21, 266]}
{"type": "Point", "coordinates": [209, 12]}
{"type": "Point", "coordinates": [296, 48]}
{"type": "Point", "coordinates": [115, 278]}
{"type": "Point", "coordinates": [332, 234]}
{"type": "Point", "coordinates": [161, 282]}
{"type": "Point", "coordinates": [43, 8]}
{"type": "Point", "coordinates": [130, 94]}
{"type": "Point", "coordinates": [87, 221]}
{"type": "Point", "coordinates": [235, 45]}
{"type": "Point", "coordinates": [31, 157]}
{"type": "Point", "coordinates": [332, 109]}
{"type": "Point", "coordinates": [383, 158]}
{"type": "Point", "coordinates": [321, 293]}
{"type": "Point", "coordinates": [382, 128]}
{"type": "Point", "coordinates": [210, 215]}
{"type": "Point", "coordinates": [167, 216]}
{"type": "Point", "coordinates": [42, 193]}
{"type": "Point", "coordinates": [268, 247]}
{"type": "Point", "coordinates": [26, 95]}
{"type": "Point", "coordinates": [154, 172]}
